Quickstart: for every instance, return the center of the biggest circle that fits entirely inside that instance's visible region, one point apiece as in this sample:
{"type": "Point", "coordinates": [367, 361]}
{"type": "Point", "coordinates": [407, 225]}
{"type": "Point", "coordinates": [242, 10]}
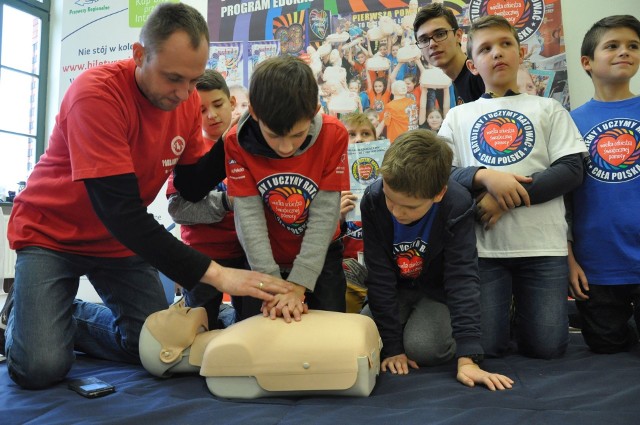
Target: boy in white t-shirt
{"type": "Point", "coordinates": [522, 153]}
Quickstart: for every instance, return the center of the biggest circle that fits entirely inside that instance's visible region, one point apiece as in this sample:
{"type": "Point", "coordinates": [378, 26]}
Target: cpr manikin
{"type": "Point", "coordinates": [324, 353]}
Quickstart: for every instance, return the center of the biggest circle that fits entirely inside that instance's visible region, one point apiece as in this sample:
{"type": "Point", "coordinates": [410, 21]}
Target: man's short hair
{"type": "Point", "coordinates": [596, 32]}
{"type": "Point", "coordinates": [488, 22]}
{"type": "Point", "coordinates": [168, 18]}
{"type": "Point", "coordinates": [282, 92]}
{"type": "Point", "coordinates": [358, 119]}
{"type": "Point", "coordinates": [431, 11]}
{"type": "Point", "coordinates": [418, 164]}
{"type": "Point", "coordinates": [212, 80]}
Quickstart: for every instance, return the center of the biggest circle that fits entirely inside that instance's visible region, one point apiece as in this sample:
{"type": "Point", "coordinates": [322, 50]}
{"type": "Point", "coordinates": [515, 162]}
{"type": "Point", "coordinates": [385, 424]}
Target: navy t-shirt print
{"type": "Point", "coordinates": [410, 244]}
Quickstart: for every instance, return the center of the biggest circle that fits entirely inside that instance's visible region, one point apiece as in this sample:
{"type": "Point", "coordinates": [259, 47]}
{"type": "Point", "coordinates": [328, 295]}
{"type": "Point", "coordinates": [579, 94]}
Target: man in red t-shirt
{"type": "Point", "coordinates": [121, 130]}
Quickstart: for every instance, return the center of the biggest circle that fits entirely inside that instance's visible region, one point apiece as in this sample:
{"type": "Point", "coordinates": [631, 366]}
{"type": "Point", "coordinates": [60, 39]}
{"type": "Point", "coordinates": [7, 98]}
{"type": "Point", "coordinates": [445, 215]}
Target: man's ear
{"type": "Point", "coordinates": [471, 67]}
{"type": "Point", "coordinates": [138, 54]}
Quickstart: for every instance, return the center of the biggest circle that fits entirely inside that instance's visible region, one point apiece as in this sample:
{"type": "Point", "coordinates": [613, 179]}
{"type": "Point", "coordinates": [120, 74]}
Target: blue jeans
{"type": "Point", "coordinates": [47, 324]}
{"type": "Point", "coordinates": [538, 288]}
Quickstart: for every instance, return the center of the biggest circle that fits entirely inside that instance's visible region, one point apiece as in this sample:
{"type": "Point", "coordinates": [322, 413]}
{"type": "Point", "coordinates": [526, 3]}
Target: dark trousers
{"type": "Point", "coordinates": [606, 327]}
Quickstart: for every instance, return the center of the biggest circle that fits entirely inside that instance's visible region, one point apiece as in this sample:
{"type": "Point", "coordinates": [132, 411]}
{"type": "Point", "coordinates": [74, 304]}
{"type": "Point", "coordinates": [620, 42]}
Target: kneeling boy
{"type": "Point", "coordinates": [420, 252]}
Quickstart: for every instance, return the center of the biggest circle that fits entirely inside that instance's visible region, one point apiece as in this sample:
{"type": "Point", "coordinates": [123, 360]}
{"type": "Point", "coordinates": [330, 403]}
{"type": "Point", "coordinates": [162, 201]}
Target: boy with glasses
{"type": "Point", "coordinates": [439, 37]}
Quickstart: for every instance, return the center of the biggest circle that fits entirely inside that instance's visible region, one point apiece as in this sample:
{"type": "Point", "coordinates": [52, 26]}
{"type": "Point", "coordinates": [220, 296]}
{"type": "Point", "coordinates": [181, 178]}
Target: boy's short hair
{"type": "Point", "coordinates": [212, 80]}
{"type": "Point", "coordinates": [434, 10]}
{"type": "Point", "coordinates": [282, 92]}
{"type": "Point", "coordinates": [596, 32]}
{"type": "Point", "coordinates": [487, 22]}
{"type": "Point", "coordinates": [358, 119]}
{"type": "Point", "coordinates": [418, 164]}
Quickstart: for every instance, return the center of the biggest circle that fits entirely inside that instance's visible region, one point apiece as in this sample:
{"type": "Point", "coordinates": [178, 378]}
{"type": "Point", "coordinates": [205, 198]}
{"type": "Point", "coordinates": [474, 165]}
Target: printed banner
{"type": "Point", "coordinates": [227, 59]}
{"type": "Point", "coordinates": [261, 50]}
{"type": "Point", "coordinates": [365, 160]}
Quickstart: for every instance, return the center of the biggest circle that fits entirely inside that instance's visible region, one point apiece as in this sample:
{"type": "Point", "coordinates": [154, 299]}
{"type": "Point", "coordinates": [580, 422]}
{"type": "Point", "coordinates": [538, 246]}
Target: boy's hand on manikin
{"type": "Point", "coordinates": [288, 306]}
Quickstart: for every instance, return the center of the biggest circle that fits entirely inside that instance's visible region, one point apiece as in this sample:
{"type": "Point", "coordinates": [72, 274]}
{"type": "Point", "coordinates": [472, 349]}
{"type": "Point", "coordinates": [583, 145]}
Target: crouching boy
{"type": "Point", "coordinates": [420, 252]}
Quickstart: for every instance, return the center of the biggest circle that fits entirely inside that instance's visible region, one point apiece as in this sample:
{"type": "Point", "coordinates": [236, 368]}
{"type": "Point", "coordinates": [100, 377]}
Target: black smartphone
{"type": "Point", "coordinates": [91, 387]}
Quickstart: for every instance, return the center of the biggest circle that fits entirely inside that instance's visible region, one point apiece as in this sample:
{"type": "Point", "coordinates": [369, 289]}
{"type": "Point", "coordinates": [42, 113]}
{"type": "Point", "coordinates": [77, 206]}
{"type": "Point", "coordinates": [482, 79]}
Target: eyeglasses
{"type": "Point", "coordinates": [438, 36]}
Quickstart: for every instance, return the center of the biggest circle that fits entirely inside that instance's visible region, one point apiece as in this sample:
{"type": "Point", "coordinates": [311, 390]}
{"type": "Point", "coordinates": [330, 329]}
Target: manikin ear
{"type": "Point", "coordinates": [440, 195]}
{"type": "Point", "coordinates": [471, 67]}
{"type": "Point", "coordinates": [138, 54]}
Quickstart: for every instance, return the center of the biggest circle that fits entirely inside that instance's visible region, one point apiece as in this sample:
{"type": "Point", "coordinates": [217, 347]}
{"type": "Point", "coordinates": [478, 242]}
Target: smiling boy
{"type": "Point", "coordinates": [517, 150]}
{"type": "Point", "coordinates": [286, 166]}
{"type": "Point", "coordinates": [606, 281]}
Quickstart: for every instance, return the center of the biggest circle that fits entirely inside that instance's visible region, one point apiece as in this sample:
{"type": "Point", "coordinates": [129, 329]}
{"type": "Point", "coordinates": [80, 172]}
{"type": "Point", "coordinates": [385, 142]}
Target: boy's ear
{"type": "Point", "coordinates": [458, 34]}
{"type": "Point", "coordinates": [317, 108]}
{"type": "Point", "coordinates": [471, 67]}
{"type": "Point", "coordinates": [253, 114]}
{"type": "Point", "coordinates": [521, 55]}
{"type": "Point", "coordinates": [440, 195]}
{"type": "Point", "coordinates": [585, 61]}
{"type": "Point", "coordinates": [233, 101]}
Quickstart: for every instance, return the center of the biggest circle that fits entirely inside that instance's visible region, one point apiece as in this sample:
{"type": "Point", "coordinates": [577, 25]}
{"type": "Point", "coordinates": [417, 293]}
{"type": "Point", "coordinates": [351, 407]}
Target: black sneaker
{"type": "Point", "coordinates": [4, 318]}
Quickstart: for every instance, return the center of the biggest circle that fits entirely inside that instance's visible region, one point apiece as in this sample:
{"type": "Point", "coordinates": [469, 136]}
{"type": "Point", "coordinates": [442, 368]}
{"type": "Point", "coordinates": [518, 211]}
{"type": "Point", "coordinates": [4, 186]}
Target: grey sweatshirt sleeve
{"type": "Point", "coordinates": [324, 214]}
{"type": "Point", "coordinates": [211, 209]}
{"type": "Point", "coordinates": [251, 227]}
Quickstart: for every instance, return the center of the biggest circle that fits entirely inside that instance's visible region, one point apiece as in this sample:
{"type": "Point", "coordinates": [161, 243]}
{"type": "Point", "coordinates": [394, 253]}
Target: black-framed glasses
{"type": "Point", "coordinates": [438, 36]}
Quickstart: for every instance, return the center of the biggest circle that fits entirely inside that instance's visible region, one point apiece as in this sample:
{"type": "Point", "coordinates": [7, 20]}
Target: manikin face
{"type": "Point", "coordinates": [439, 54]}
{"type": "Point", "coordinates": [216, 109]}
{"type": "Point", "coordinates": [167, 77]}
{"type": "Point", "coordinates": [361, 133]}
{"type": "Point", "coordinates": [616, 57]}
{"type": "Point", "coordinates": [496, 58]}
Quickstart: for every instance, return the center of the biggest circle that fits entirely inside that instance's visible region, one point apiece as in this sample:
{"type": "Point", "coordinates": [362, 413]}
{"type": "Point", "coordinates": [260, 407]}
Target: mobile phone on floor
{"type": "Point", "coordinates": [91, 387]}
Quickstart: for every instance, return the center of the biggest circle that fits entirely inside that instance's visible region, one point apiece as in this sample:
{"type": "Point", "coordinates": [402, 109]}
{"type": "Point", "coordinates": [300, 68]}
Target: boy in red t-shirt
{"type": "Point", "coordinates": [286, 166]}
{"type": "Point", "coordinates": [208, 225]}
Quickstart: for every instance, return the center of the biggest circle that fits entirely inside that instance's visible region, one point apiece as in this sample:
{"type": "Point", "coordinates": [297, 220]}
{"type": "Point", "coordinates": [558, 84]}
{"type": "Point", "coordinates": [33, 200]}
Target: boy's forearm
{"type": "Point", "coordinates": [251, 227]}
{"type": "Point", "coordinates": [209, 210]}
{"type": "Point", "coordinates": [560, 178]}
{"type": "Point", "coordinates": [324, 214]}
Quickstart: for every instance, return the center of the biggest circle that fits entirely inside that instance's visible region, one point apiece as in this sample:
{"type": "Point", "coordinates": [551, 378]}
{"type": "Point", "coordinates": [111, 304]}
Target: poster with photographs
{"type": "Point", "coordinates": [227, 59]}
{"type": "Point", "coordinates": [365, 160]}
{"type": "Point", "coordinates": [349, 34]}
{"type": "Point", "coordinates": [260, 51]}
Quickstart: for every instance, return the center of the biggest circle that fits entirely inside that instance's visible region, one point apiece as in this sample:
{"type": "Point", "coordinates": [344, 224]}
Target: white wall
{"type": "Point", "coordinates": [577, 18]}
